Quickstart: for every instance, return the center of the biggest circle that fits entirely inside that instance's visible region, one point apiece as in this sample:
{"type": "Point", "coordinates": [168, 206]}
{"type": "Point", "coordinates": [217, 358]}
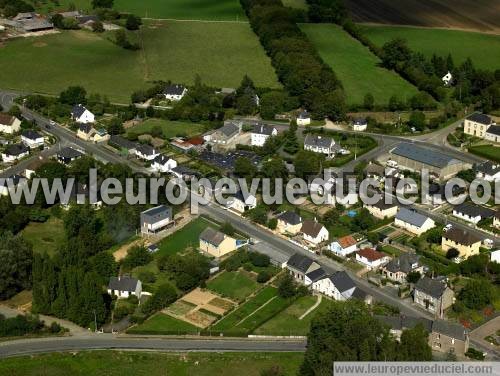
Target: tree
{"type": "Point", "coordinates": [137, 256]}
{"type": "Point", "coordinates": [272, 103]}
{"type": "Point", "coordinates": [396, 103]}
{"type": "Point", "coordinates": [306, 164]}
{"type": "Point", "coordinates": [102, 4]}
{"type": "Point", "coordinates": [452, 253]}
{"type": "Point", "coordinates": [115, 126]}
{"type": "Point", "coordinates": [369, 101]}
{"type": "Point", "coordinates": [287, 287]}
{"type": "Point", "coordinates": [417, 120]}
{"type": "Point", "coordinates": [97, 27]}
{"type": "Point", "coordinates": [244, 168]}
{"type": "Point", "coordinates": [164, 295]}
{"type": "Point", "coordinates": [15, 111]}
{"type": "Point", "coordinates": [413, 277]}
{"type": "Point", "coordinates": [73, 95]}
{"type": "Point", "coordinates": [394, 52]}
{"type": "Point", "coordinates": [15, 269]}
{"type": "Point", "coordinates": [476, 294]}
{"type": "Point", "coordinates": [414, 345]}
{"type": "Point", "coordinates": [133, 22]}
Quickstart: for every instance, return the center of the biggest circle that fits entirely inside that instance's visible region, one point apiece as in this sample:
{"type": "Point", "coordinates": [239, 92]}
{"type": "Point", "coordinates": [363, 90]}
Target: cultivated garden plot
{"type": "Point", "coordinates": [234, 285]}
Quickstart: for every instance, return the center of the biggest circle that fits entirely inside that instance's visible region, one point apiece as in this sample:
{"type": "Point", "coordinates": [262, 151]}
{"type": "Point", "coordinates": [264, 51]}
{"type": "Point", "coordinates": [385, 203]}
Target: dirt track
{"type": "Point", "coordinates": [478, 15]}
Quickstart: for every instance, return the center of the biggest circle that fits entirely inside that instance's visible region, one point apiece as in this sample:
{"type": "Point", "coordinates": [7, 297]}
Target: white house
{"type": "Point", "coordinates": [156, 219]}
{"type": "Point", "coordinates": [175, 92]}
{"type": "Point", "coordinates": [447, 79]}
{"type": "Point", "coordinates": [495, 256]}
{"type": "Point", "coordinates": [489, 171]}
{"type": "Point", "coordinates": [304, 118]}
{"type": "Point", "coordinates": [472, 213]}
{"type": "Point", "coordinates": [163, 164]}
{"type": "Point", "coordinates": [304, 269]}
{"type": "Point", "coordinates": [260, 133]}
{"type": "Point", "coordinates": [382, 210]}
{"type": "Point", "coordinates": [413, 222]}
{"type": "Point", "coordinates": [320, 144]}
{"type": "Point", "coordinates": [15, 152]}
{"type": "Point", "coordinates": [360, 125]}
{"type": "Point", "coordinates": [314, 232]}
{"type": "Point", "coordinates": [344, 246]}
{"type": "Point", "coordinates": [477, 124]}
{"type": "Point", "coordinates": [146, 152]}
{"type": "Point", "coordinates": [338, 286]}
{"type": "Point", "coordinates": [9, 124]}
{"type": "Point", "coordinates": [81, 115]}
{"type": "Point", "coordinates": [493, 134]}
{"type": "Point", "coordinates": [372, 258]}
{"type": "Point", "coordinates": [85, 131]}
{"type": "Point", "coordinates": [32, 139]}
{"type": "Point", "coordinates": [241, 204]}
{"type": "Point", "coordinates": [124, 286]}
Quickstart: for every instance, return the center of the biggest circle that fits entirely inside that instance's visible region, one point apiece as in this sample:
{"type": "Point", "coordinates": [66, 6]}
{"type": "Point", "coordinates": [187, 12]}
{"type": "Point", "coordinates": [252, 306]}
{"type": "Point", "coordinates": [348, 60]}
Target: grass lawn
{"type": "Point", "coordinates": [188, 236]}
{"type": "Point", "coordinates": [356, 66]}
{"type": "Point", "coordinates": [297, 4]}
{"type": "Point", "coordinates": [114, 363]}
{"type": "Point", "coordinates": [234, 285]}
{"type": "Point", "coordinates": [393, 251]}
{"type": "Point", "coordinates": [45, 237]}
{"type": "Point", "coordinates": [221, 53]}
{"type": "Point", "coordinates": [226, 10]}
{"type": "Point", "coordinates": [483, 49]}
{"type": "Point", "coordinates": [287, 322]}
{"type": "Point", "coordinates": [486, 151]}
{"type": "Point", "coordinates": [170, 128]}
{"type": "Point", "coordinates": [163, 324]}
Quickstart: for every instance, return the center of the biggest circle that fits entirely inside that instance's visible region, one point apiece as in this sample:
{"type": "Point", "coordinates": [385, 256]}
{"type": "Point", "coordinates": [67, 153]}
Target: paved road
{"type": "Point", "coordinates": [109, 341]}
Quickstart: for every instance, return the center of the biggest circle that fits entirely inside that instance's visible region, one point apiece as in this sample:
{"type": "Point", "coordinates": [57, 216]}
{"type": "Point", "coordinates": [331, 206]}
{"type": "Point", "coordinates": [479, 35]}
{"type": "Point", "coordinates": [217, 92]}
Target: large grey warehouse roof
{"type": "Point", "coordinates": [424, 155]}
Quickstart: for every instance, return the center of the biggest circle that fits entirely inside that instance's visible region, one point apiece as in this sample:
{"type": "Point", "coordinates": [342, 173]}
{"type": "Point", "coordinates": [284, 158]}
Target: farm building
{"type": "Point", "coordinates": [416, 158]}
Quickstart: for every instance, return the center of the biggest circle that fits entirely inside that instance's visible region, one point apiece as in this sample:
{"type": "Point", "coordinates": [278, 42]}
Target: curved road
{"type": "Point", "coordinates": [109, 341]}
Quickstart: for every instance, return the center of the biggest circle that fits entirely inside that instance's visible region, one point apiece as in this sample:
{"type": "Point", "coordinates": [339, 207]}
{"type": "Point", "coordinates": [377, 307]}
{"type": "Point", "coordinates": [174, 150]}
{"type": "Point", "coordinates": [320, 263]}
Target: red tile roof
{"type": "Point", "coordinates": [371, 254]}
{"type": "Point", "coordinates": [346, 241]}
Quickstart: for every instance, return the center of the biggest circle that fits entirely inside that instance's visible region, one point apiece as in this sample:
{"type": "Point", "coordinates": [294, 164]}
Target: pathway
{"type": "Point", "coordinates": [258, 309]}
{"type": "Point", "coordinates": [318, 302]}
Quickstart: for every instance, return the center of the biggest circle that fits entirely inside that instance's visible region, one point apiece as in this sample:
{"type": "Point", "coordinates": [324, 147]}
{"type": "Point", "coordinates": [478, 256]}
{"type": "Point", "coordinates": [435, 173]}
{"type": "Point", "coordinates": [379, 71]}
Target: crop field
{"type": "Point", "coordinates": [356, 66]}
{"type": "Point", "coordinates": [234, 285]}
{"type": "Point", "coordinates": [220, 10]}
{"type": "Point", "coordinates": [117, 363]}
{"type": "Point", "coordinates": [483, 49]}
{"type": "Point", "coordinates": [479, 15]}
{"type": "Point", "coordinates": [221, 53]}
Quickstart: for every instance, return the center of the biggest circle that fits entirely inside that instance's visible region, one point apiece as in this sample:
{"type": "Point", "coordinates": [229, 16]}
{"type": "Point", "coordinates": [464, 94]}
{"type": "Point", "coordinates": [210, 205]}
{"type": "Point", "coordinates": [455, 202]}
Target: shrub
{"type": "Point", "coordinates": [263, 276]}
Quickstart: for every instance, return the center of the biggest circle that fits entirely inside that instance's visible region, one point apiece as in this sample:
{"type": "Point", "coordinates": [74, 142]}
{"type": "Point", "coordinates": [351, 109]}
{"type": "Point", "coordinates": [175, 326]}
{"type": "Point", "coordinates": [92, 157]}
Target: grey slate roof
{"type": "Point", "coordinates": [156, 214]}
{"type": "Point", "coordinates": [316, 274]}
{"type": "Point", "coordinates": [161, 159]}
{"type": "Point", "coordinates": [300, 262]}
{"type": "Point", "coordinates": [263, 129]}
{"type": "Point", "coordinates": [403, 263]}
{"type": "Point", "coordinates": [318, 141]}
{"type": "Point", "coordinates": [124, 283]}
{"type": "Point", "coordinates": [360, 121]}
{"type": "Point", "coordinates": [229, 129]}
{"type": "Point", "coordinates": [145, 149]}
{"type": "Point", "coordinates": [450, 329]}
{"type": "Point", "coordinates": [342, 281]}
{"type": "Point", "coordinates": [424, 155]}
{"type": "Point", "coordinates": [432, 287]}
{"type": "Point", "coordinates": [412, 217]}
{"type": "Point", "coordinates": [122, 142]}
{"type": "Point", "coordinates": [16, 149]}
{"type": "Point", "coordinates": [480, 118]}
{"type": "Point", "coordinates": [183, 170]}
{"type": "Point", "coordinates": [69, 153]}
{"type": "Point", "coordinates": [78, 110]}
{"type": "Point", "coordinates": [461, 236]}
{"type": "Point", "coordinates": [31, 134]}
{"type": "Point", "coordinates": [404, 322]}
{"type": "Point", "coordinates": [304, 115]}
{"type": "Point", "coordinates": [472, 210]}
{"type": "Point", "coordinates": [290, 217]}
{"type": "Point", "coordinates": [488, 168]}
{"type": "Point", "coordinates": [175, 89]}
{"type": "Point", "coordinates": [382, 205]}
{"type": "Point", "coordinates": [86, 128]}
{"type": "Point", "coordinates": [212, 236]}
{"type": "Point", "coordinates": [494, 129]}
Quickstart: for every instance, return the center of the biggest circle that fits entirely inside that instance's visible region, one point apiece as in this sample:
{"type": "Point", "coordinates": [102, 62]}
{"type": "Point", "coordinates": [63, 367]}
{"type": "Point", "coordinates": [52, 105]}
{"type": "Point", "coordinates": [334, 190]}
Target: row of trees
{"type": "Point", "coordinates": [10, 8]}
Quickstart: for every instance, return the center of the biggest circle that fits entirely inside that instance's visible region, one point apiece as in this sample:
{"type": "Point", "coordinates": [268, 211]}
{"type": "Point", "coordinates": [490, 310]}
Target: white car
{"type": "Point", "coordinates": [447, 227]}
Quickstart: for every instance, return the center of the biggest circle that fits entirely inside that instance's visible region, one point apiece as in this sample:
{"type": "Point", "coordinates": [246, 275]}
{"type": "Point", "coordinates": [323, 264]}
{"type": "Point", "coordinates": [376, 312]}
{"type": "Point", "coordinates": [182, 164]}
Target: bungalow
{"type": "Point", "coordinates": [344, 246]}
{"type": "Point", "coordinates": [85, 131]}
{"type": "Point", "coordinates": [9, 124]}
{"type": "Point", "coordinates": [124, 286]}
{"type": "Point", "coordinates": [175, 92]}
{"type": "Point", "coordinates": [314, 232]}
{"type": "Point", "coordinates": [81, 115]}
{"type": "Point", "coordinates": [360, 125]}
{"type": "Point", "coordinates": [304, 118]}
{"type": "Point", "coordinates": [320, 144]}
{"type": "Point", "coordinates": [303, 268]}
{"type": "Point", "coordinates": [101, 135]}
{"type": "Point", "coordinates": [398, 269]}
{"type": "Point", "coordinates": [156, 219]}
{"type": "Point", "coordinates": [216, 243]}
{"type": "Point", "coordinates": [466, 243]}
{"type": "Point", "coordinates": [241, 204]}
{"type": "Point", "coordinates": [433, 295]}
{"type": "Point", "coordinates": [472, 213]}
{"type": "Point", "coordinates": [489, 171]}
{"type": "Point", "coordinates": [338, 286]}
{"type": "Point", "coordinates": [163, 164]}
{"type": "Point", "coordinates": [32, 139]}
{"type": "Point", "coordinates": [146, 152]}
{"type": "Point", "coordinates": [15, 152]}
{"type": "Point", "coordinates": [372, 258]}
{"type": "Point", "coordinates": [493, 134]}
{"type": "Point", "coordinates": [260, 133]}
{"type": "Point", "coordinates": [477, 124]}
{"type": "Point", "coordinates": [289, 222]}
{"type": "Point", "coordinates": [68, 155]}
{"type": "Point", "coordinates": [413, 222]}
{"type": "Point", "coordinates": [381, 210]}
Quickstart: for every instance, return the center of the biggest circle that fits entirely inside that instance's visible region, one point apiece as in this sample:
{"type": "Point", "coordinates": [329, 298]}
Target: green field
{"type": "Point", "coordinates": [221, 53]}
{"type": "Point", "coordinates": [163, 324]}
{"type": "Point", "coordinates": [356, 66]}
{"type": "Point", "coordinates": [117, 363]}
{"type": "Point", "coordinates": [486, 151]}
{"type": "Point", "coordinates": [170, 128]}
{"type": "Point", "coordinates": [45, 237]}
{"type": "Point", "coordinates": [234, 285]}
{"type": "Point", "coordinates": [188, 236]}
{"type": "Point", "coordinates": [483, 49]}
{"type": "Point", "coordinates": [225, 10]}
